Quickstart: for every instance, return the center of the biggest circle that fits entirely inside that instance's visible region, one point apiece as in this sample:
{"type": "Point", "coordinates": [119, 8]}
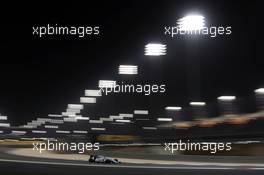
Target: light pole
{"type": "Point", "coordinates": [227, 105]}
{"type": "Point", "coordinates": [259, 93]}
{"type": "Point", "coordinates": [174, 112]}
{"type": "Point", "coordinates": [198, 109]}
{"type": "Point", "coordinates": [155, 52]}
{"type": "Point", "coordinates": [191, 25]}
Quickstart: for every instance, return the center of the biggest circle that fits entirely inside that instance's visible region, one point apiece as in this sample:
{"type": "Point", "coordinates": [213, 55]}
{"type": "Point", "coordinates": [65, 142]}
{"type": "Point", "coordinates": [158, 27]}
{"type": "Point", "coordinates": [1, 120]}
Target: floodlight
{"type": "Point", "coordinates": [155, 49]}
{"type": "Point", "coordinates": [191, 23]}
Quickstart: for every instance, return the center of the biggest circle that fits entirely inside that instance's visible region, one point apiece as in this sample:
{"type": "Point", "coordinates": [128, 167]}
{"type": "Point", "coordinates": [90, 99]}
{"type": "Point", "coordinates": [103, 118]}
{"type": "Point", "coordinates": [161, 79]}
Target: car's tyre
{"type": "Point", "coordinates": [108, 162]}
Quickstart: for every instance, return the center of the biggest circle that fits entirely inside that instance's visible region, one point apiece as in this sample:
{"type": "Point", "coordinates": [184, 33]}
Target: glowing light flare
{"type": "Point", "coordinates": [123, 121]}
{"type": "Point", "coordinates": [128, 69]}
{"type": "Point", "coordinates": [191, 23]}
{"type": "Point", "coordinates": [155, 49]}
{"type": "Point", "coordinates": [106, 84]}
{"type": "Point", "coordinates": [259, 91]}
{"type": "Point", "coordinates": [197, 103]}
{"type": "Point", "coordinates": [142, 112]}
{"type": "Point", "coordinates": [164, 119]}
{"type": "Point", "coordinates": [93, 93]}
{"type": "Point", "coordinates": [87, 100]}
{"type": "Point", "coordinates": [173, 108]}
{"type": "Point", "coordinates": [98, 129]}
{"type": "Point", "coordinates": [226, 98]}
{"type": "Point", "coordinates": [75, 106]}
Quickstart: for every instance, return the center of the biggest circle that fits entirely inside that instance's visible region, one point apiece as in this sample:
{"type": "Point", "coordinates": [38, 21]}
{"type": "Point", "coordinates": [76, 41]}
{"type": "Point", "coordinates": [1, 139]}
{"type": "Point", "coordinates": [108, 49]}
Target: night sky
{"type": "Point", "coordinates": [42, 75]}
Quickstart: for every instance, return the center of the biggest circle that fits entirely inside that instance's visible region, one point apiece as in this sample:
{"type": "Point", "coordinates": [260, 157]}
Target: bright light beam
{"type": "Point", "coordinates": [155, 49]}
{"type": "Point", "coordinates": [87, 100]}
{"type": "Point", "coordinates": [106, 84]}
{"type": "Point", "coordinates": [128, 69]}
{"type": "Point", "coordinates": [164, 119]}
{"type": "Point", "coordinates": [173, 108]}
{"type": "Point", "coordinates": [226, 98]}
{"type": "Point", "coordinates": [197, 103]}
{"type": "Point", "coordinates": [191, 23]}
{"type": "Point", "coordinates": [259, 91]}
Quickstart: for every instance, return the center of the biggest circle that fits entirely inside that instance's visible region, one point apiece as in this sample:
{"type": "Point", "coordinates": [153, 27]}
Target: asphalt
{"type": "Point", "coordinates": [178, 157]}
{"type": "Point", "coordinates": [12, 164]}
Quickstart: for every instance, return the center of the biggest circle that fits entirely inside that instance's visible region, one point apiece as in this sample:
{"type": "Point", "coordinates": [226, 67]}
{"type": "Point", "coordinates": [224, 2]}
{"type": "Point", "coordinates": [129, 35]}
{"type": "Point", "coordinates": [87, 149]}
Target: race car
{"type": "Point", "coordinates": [102, 159]}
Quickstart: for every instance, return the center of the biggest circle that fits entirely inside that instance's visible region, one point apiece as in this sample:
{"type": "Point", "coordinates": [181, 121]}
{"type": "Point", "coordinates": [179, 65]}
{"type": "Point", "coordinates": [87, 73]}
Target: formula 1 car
{"type": "Point", "coordinates": [102, 159]}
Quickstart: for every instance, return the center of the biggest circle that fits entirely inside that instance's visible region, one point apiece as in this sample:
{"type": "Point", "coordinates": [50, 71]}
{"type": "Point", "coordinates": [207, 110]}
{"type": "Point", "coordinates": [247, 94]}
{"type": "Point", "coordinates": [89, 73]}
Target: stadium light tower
{"type": "Point", "coordinates": [173, 108]}
{"type": "Point", "coordinates": [196, 103]}
{"type": "Point", "coordinates": [174, 112]}
{"type": "Point", "coordinates": [128, 69]}
{"type": "Point", "coordinates": [226, 104]}
{"type": "Point", "coordinates": [106, 84]}
{"type": "Point", "coordinates": [155, 49]}
{"type": "Point", "coordinates": [259, 93]}
{"type": "Point", "coordinates": [198, 109]}
{"type": "Point", "coordinates": [191, 23]}
{"type": "Point", "coordinates": [226, 98]}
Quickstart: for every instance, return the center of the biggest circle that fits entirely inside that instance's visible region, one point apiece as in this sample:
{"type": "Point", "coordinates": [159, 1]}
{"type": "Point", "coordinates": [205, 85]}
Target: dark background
{"type": "Point", "coordinates": [42, 75]}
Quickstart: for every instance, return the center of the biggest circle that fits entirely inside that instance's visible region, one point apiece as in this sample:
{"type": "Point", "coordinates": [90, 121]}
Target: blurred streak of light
{"type": "Point", "coordinates": [164, 119]}
{"type": "Point", "coordinates": [226, 98]}
{"type": "Point", "coordinates": [44, 119]}
{"type": "Point", "coordinates": [238, 120]}
{"type": "Point", "coordinates": [39, 132]}
{"type": "Point", "coordinates": [155, 49]}
{"type": "Point", "coordinates": [123, 121]}
{"type": "Point", "coordinates": [98, 129]}
{"type": "Point", "coordinates": [126, 115]}
{"type": "Point", "coordinates": [96, 121]}
{"type": "Point", "coordinates": [143, 112]}
{"type": "Point", "coordinates": [3, 117]}
{"type": "Point", "coordinates": [106, 84]}
{"type": "Point", "coordinates": [197, 103]}
{"type": "Point", "coordinates": [208, 123]}
{"type": "Point", "coordinates": [11, 140]}
{"type": "Point", "coordinates": [259, 91]}
{"type": "Point", "coordinates": [87, 100]}
{"type": "Point", "coordinates": [191, 23]}
{"type": "Point", "coordinates": [93, 93]}
{"type": "Point", "coordinates": [106, 119]}
{"type": "Point", "coordinates": [116, 117]}
{"type": "Point", "coordinates": [26, 138]}
{"type": "Point", "coordinates": [63, 132]}
{"type": "Point", "coordinates": [80, 132]}
{"type": "Point", "coordinates": [173, 108]}
{"type": "Point", "coordinates": [149, 128]}
{"type": "Point", "coordinates": [18, 132]}
{"type": "Point", "coordinates": [4, 125]}
{"type": "Point", "coordinates": [183, 125]}
{"type": "Point", "coordinates": [52, 126]}
{"type": "Point", "coordinates": [128, 69]}
{"type": "Point", "coordinates": [27, 126]}
{"type": "Point", "coordinates": [75, 106]}
{"type": "Point", "coordinates": [56, 121]}
{"type": "Point", "coordinates": [73, 110]}
{"type": "Point", "coordinates": [54, 115]}
{"type": "Point", "coordinates": [68, 113]}
{"type": "Point", "coordinates": [71, 119]}
{"type": "Point", "coordinates": [82, 118]}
